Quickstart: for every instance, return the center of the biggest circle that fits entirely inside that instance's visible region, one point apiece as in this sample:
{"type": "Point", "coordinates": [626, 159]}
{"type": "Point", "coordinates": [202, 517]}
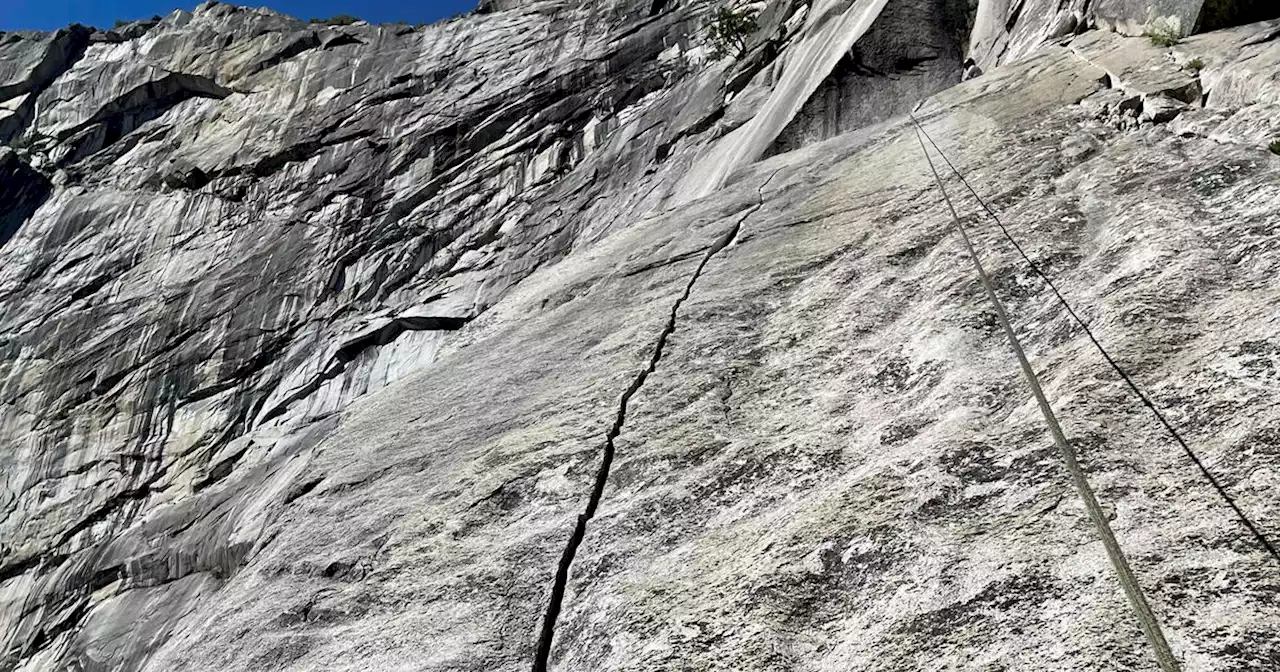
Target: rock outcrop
{"type": "Point", "coordinates": [1006, 30]}
{"type": "Point", "coordinates": [382, 347]}
{"type": "Point", "coordinates": [912, 50]}
{"type": "Point", "coordinates": [29, 63]}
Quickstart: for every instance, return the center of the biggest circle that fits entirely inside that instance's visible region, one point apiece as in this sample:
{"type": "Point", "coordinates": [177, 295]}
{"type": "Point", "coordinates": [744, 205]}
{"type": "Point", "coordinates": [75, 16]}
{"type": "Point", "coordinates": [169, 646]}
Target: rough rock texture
{"type": "Point", "coordinates": [315, 341]}
{"type": "Point", "coordinates": [912, 50]}
{"type": "Point", "coordinates": [253, 222]}
{"type": "Point", "coordinates": [29, 62]}
{"type": "Point", "coordinates": [1005, 30]}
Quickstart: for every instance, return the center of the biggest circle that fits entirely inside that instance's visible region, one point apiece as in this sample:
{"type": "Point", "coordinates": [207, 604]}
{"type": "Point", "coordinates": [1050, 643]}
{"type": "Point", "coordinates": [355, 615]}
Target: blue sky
{"type": "Point", "coordinates": [51, 14]}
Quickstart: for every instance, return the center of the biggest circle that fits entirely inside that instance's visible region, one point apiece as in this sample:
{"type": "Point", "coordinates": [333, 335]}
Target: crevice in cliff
{"type": "Point", "coordinates": [299, 44]}
{"type": "Point", "coordinates": [1015, 12]}
{"type": "Point", "coordinates": [22, 192]}
{"type": "Point", "coordinates": [1219, 14]}
{"type": "Point", "coordinates": [221, 470]}
{"type": "Point", "coordinates": [50, 633]}
{"type": "Point", "coordinates": [122, 115]}
{"type": "Point", "coordinates": [18, 568]}
{"type": "Point", "coordinates": [340, 40]}
{"type": "Point", "coordinates": [66, 48]}
{"type": "Point", "coordinates": [542, 653]}
{"type": "Point", "coordinates": [298, 491]}
{"type": "Point", "coordinates": [1263, 38]}
{"type": "Point", "coordinates": [353, 348]}
{"type": "Point", "coordinates": [697, 128]}
{"type": "Point", "coordinates": [92, 287]}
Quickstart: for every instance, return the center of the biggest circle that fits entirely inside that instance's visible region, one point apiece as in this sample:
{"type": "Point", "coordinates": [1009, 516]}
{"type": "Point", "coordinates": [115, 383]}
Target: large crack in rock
{"type": "Point", "coordinates": [522, 169]}
{"type": "Point", "coordinates": [22, 81]}
{"type": "Point", "coordinates": [546, 635]}
{"type": "Point", "coordinates": [373, 337]}
{"type": "Point", "coordinates": [1010, 29]}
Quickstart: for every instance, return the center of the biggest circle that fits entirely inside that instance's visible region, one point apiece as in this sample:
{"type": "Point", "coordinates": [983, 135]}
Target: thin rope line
{"type": "Point", "coordinates": [1186, 449]}
{"type": "Point", "coordinates": [1132, 590]}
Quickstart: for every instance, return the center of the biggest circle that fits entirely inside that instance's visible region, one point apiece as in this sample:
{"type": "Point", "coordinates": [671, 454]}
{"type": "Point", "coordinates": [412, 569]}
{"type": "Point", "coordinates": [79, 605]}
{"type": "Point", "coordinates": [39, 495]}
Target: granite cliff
{"type": "Point", "coordinates": [537, 337]}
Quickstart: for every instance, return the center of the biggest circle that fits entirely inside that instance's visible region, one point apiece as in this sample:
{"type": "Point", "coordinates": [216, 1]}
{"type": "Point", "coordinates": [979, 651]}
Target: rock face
{"type": "Point", "coordinates": [22, 189]}
{"type": "Point", "coordinates": [380, 347]}
{"type": "Point", "coordinates": [29, 63]}
{"type": "Point", "coordinates": [1005, 30]}
{"type": "Point", "coordinates": [912, 50]}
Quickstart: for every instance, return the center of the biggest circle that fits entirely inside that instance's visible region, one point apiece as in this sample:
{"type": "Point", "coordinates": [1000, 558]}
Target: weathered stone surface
{"type": "Point", "coordinates": [276, 228]}
{"type": "Point", "coordinates": [1239, 71]}
{"type": "Point", "coordinates": [1161, 108]}
{"type": "Point", "coordinates": [912, 50]}
{"type": "Point", "coordinates": [29, 62]}
{"type": "Point", "coordinates": [840, 469]}
{"type": "Point", "coordinates": [1010, 29]}
{"type": "Point", "coordinates": [310, 348]}
{"type": "Point", "coordinates": [1005, 30]}
{"type": "Point", "coordinates": [1135, 17]}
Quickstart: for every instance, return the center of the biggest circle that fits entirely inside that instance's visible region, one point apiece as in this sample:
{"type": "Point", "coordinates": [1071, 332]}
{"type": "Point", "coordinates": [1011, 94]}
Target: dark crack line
{"type": "Point", "coordinates": [547, 634]}
{"type": "Point", "coordinates": [57, 60]}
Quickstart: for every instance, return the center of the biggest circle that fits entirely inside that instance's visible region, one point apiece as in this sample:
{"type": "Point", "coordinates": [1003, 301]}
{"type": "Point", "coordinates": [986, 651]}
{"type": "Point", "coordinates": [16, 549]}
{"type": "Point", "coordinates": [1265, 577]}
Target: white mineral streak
{"type": "Point", "coordinates": [832, 28]}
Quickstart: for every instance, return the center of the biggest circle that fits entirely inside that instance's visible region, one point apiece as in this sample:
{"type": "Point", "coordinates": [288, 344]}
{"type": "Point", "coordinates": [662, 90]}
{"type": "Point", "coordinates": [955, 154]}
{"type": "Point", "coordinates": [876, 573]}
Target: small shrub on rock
{"type": "Point", "coordinates": [728, 32]}
{"type": "Point", "coordinates": [337, 20]}
{"type": "Point", "coordinates": [1164, 33]}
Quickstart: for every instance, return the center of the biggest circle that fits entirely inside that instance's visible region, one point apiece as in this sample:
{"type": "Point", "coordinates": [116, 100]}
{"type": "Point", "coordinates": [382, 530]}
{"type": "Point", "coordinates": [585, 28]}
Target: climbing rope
{"type": "Point", "coordinates": [1132, 590]}
{"type": "Point", "coordinates": [1253, 529]}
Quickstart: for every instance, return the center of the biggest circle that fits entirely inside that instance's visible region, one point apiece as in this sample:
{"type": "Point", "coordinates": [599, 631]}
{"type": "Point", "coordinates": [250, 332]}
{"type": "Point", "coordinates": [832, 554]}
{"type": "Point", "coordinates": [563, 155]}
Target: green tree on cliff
{"type": "Point", "coordinates": [728, 32]}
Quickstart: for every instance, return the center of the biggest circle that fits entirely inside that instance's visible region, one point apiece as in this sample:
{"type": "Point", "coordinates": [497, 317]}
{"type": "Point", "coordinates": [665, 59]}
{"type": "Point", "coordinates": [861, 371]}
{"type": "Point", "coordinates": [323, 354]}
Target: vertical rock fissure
{"type": "Point", "coordinates": [543, 652]}
{"type": "Point", "coordinates": [66, 48]}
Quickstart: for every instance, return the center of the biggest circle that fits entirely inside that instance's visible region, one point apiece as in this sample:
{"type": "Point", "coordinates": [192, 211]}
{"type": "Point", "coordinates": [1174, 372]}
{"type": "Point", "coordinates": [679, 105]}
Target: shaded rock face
{"type": "Point", "coordinates": [313, 340]}
{"type": "Point", "coordinates": [1218, 14]}
{"type": "Point", "coordinates": [22, 189]}
{"type": "Point", "coordinates": [912, 51]}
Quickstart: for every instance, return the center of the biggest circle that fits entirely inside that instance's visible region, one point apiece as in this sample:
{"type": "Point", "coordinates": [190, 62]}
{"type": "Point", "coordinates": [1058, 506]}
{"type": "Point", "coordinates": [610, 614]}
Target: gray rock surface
{"type": "Point", "coordinates": [29, 63]}
{"type": "Point", "coordinates": [1006, 30]}
{"type": "Point", "coordinates": [314, 340]}
{"type": "Point", "coordinates": [911, 51]}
